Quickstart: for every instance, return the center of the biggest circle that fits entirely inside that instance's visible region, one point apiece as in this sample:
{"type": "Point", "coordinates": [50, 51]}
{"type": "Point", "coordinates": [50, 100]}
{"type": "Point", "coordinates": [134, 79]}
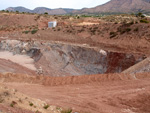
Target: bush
{"type": "Point", "coordinates": [31, 104]}
{"type": "Point", "coordinates": [46, 13]}
{"type": "Point", "coordinates": [34, 31]}
{"type": "Point", "coordinates": [123, 30]}
{"type": "Point", "coordinates": [11, 105]}
{"type": "Point", "coordinates": [26, 32]}
{"type": "Point", "coordinates": [139, 14]}
{"type": "Point", "coordinates": [46, 106]}
{"type": "Point", "coordinates": [66, 111]}
{"type": "Point", "coordinates": [144, 21]}
{"type": "Point", "coordinates": [136, 29]}
{"type": "Point", "coordinates": [131, 23]}
{"type": "Point", "coordinates": [112, 34]}
{"type": "Point", "coordinates": [17, 12]}
{"type": "Point", "coordinates": [128, 29]}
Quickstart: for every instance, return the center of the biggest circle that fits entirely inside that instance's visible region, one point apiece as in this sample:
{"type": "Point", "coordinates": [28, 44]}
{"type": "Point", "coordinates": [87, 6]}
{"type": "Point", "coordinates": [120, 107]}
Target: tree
{"type": "Point", "coordinates": [139, 14]}
{"type": "Point", "coordinates": [7, 11]}
{"type": "Point", "coordinates": [46, 13]}
{"type": "Point", "coordinates": [17, 11]}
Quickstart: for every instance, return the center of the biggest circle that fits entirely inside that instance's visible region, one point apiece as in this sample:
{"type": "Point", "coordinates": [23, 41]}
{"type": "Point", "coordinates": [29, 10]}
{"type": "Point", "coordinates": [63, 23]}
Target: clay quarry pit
{"type": "Point", "coordinates": [86, 65]}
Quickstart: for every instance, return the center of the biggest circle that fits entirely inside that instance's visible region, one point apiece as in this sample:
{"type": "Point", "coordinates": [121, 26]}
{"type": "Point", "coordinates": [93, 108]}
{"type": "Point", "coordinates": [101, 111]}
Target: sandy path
{"type": "Point", "coordinates": [87, 23]}
{"type": "Point", "coordinates": [23, 60]}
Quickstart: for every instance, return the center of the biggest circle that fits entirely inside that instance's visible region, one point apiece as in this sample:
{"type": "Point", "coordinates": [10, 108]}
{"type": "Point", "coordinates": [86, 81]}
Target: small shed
{"type": "Point", "coordinates": [52, 24]}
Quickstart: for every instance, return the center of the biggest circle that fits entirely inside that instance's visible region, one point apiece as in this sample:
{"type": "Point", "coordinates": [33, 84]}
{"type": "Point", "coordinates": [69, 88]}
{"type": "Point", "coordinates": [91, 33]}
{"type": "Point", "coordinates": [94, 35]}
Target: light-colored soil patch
{"type": "Point", "coordinates": [23, 60]}
{"type": "Point", "coordinates": [87, 23]}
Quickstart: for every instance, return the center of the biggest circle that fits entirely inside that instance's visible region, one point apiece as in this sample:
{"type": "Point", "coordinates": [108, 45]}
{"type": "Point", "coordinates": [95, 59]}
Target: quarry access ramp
{"type": "Point", "coordinates": [143, 66]}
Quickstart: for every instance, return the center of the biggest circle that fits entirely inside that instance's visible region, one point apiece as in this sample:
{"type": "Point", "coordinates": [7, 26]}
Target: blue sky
{"type": "Point", "coordinates": [31, 4]}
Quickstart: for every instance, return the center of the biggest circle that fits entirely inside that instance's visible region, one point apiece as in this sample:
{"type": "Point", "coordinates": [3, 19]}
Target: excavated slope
{"type": "Point", "coordinates": [59, 59]}
{"type": "Point", "coordinates": [143, 66]}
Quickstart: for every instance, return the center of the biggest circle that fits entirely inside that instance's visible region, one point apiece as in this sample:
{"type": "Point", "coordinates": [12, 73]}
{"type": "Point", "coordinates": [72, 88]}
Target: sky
{"type": "Point", "coordinates": [31, 4]}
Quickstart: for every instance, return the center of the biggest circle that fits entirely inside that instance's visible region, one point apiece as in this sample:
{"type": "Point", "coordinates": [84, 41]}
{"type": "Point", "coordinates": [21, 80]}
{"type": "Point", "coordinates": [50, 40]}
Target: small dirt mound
{"type": "Point", "coordinates": [68, 80]}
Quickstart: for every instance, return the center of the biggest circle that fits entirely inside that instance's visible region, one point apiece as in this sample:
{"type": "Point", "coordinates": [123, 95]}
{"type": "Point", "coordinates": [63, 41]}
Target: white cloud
{"type": "Point", "coordinates": [31, 4]}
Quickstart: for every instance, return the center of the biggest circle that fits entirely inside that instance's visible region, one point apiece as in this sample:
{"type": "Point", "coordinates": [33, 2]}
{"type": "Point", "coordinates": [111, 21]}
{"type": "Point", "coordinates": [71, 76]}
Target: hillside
{"type": "Point", "coordinates": [12, 101]}
{"type": "Point", "coordinates": [119, 6]}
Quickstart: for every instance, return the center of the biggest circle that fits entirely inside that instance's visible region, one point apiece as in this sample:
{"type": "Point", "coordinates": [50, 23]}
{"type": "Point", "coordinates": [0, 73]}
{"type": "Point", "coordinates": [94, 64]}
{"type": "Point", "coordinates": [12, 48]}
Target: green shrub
{"type": "Point", "coordinates": [113, 34]}
{"type": "Point", "coordinates": [144, 21]}
{"type": "Point", "coordinates": [34, 31]}
{"type": "Point", "coordinates": [67, 111]}
{"type": "Point", "coordinates": [46, 13]}
{"type": "Point", "coordinates": [131, 23]}
{"type": "Point", "coordinates": [139, 14]}
{"type": "Point", "coordinates": [11, 105]}
{"type": "Point", "coordinates": [46, 106]}
{"type": "Point", "coordinates": [26, 32]}
{"type": "Point", "coordinates": [31, 104]}
{"type": "Point", "coordinates": [128, 29]}
{"type": "Point", "coordinates": [7, 11]}
{"type": "Point", "coordinates": [17, 12]}
{"type": "Point", "coordinates": [136, 29]}
{"type": "Point", "coordinates": [124, 30]}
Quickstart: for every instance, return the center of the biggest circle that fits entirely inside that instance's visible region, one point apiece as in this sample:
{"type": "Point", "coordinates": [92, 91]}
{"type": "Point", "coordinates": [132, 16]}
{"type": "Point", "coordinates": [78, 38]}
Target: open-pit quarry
{"type": "Point", "coordinates": [75, 76]}
{"type": "Point", "coordinates": [62, 59]}
{"type": "Point", "coordinates": [84, 65]}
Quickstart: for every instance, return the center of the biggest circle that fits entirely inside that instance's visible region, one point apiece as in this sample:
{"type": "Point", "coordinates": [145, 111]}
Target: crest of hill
{"type": "Point", "coordinates": [119, 6]}
{"type": "Point", "coordinates": [20, 9]}
{"type": "Point", "coordinates": [42, 10]}
{"type": "Point", "coordinates": [113, 6]}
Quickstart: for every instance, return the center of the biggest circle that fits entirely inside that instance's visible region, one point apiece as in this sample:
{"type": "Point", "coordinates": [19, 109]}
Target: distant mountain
{"type": "Point", "coordinates": [42, 10]}
{"type": "Point", "coordinates": [147, 1]}
{"type": "Point", "coordinates": [20, 9]}
{"type": "Point", "coordinates": [119, 6]}
{"type": "Point", "coordinates": [113, 6]}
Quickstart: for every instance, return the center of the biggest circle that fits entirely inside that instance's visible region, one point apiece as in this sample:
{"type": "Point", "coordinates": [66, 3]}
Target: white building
{"type": "Point", "coordinates": [52, 24]}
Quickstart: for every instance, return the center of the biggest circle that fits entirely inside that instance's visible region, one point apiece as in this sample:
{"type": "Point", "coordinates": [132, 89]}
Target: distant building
{"type": "Point", "coordinates": [52, 24]}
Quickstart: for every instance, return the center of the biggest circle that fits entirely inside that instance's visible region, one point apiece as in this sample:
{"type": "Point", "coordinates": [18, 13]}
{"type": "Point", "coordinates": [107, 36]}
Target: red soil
{"type": "Point", "coordinates": [107, 93]}
{"type": "Point", "coordinates": [9, 109]}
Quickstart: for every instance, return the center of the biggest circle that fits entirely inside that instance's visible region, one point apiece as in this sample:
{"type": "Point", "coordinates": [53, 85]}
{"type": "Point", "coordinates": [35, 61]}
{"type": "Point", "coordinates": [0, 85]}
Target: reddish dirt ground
{"type": "Point", "coordinates": [110, 93]}
{"type": "Point", "coordinates": [107, 35]}
{"type": "Point", "coordinates": [6, 109]}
